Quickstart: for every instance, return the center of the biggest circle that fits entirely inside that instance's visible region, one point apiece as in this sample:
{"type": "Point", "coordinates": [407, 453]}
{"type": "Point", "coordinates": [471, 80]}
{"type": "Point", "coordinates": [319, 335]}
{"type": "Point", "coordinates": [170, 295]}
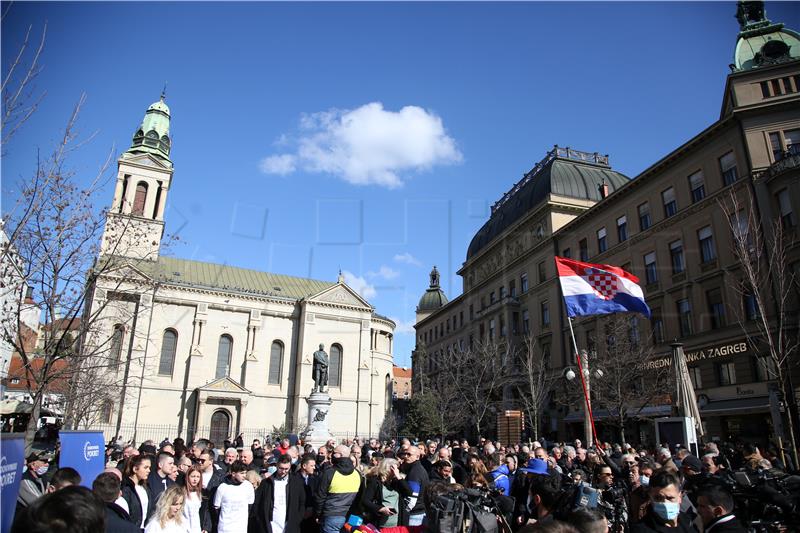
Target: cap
{"type": "Point", "coordinates": [39, 456]}
{"type": "Point", "coordinates": [692, 463]}
{"type": "Point", "coordinates": [536, 466]}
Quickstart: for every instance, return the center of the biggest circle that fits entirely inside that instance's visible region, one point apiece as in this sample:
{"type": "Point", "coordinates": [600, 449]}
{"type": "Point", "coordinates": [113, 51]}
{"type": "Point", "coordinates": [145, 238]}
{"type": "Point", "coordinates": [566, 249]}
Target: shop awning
{"type": "Point", "coordinates": [737, 405]}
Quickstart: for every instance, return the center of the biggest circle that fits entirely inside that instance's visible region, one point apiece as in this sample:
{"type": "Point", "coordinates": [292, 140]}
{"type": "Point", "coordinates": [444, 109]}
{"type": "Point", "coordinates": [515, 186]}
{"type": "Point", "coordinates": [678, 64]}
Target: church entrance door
{"type": "Point", "coordinates": [220, 427]}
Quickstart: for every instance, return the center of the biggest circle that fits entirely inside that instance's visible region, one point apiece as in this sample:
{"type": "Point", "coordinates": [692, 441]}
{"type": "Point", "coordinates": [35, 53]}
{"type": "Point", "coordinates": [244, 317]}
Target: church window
{"type": "Point", "coordinates": [139, 199]}
{"type": "Point", "coordinates": [224, 356]}
{"type": "Point", "coordinates": [169, 345]}
{"type": "Point", "coordinates": [335, 366]}
{"type": "Point", "coordinates": [105, 413]}
{"type": "Point", "coordinates": [275, 363]}
{"type": "Point", "coordinates": [116, 343]}
{"type": "Point", "coordinates": [124, 191]}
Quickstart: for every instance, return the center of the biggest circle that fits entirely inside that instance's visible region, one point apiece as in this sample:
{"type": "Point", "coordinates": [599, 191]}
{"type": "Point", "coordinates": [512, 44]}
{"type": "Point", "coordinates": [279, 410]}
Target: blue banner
{"type": "Point", "coordinates": [85, 451]}
{"type": "Point", "coordinates": [12, 459]}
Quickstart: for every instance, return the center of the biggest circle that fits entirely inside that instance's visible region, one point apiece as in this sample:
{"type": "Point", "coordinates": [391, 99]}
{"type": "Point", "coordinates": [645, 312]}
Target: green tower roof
{"type": "Point", "coordinates": [434, 296]}
{"type": "Point", "coordinates": [761, 42]}
{"type": "Point", "coordinates": [152, 136]}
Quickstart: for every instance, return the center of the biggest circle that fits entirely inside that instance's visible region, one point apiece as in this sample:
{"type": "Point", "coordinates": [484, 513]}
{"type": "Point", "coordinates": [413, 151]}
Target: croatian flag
{"type": "Point", "coordinates": [599, 289]}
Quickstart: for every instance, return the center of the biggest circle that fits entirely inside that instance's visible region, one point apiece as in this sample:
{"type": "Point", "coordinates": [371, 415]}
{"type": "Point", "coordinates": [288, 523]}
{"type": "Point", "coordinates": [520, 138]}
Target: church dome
{"type": "Point", "coordinates": [159, 106]}
{"type": "Point", "coordinates": [434, 296]}
{"type": "Point", "coordinates": [761, 42]}
{"type": "Point", "coordinates": [152, 136]}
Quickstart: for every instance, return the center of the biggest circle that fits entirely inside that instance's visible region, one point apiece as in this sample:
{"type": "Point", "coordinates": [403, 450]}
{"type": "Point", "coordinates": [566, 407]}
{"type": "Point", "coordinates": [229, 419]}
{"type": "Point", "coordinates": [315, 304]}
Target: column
{"type": "Point", "coordinates": [130, 194]}
{"type": "Point", "coordinates": [201, 402]}
{"type": "Point", "coordinates": [162, 203]}
{"type": "Point", "coordinates": [242, 407]}
{"type": "Point", "coordinates": [117, 194]}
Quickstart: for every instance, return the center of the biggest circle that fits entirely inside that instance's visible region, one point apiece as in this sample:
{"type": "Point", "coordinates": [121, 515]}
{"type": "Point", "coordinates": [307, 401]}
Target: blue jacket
{"type": "Point", "coordinates": [502, 481]}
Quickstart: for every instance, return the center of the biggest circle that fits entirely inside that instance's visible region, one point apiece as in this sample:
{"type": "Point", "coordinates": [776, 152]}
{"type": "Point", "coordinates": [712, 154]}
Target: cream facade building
{"type": "Point", "coordinates": [209, 350]}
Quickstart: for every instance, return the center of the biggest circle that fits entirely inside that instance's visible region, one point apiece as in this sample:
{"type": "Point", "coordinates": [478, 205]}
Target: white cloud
{"type": "Point", "coordinates": [368, 145]}
{"type": "Point", "coordinates": [408, 259]}
{"type": "Point", "coordinates": [402, 327]}
{"type": "Point", "coordinates": [359, 284]}
{"type": "Point", "coordinates": [278, 164]}
{"type": "Point", "coordinates": [384, 272]}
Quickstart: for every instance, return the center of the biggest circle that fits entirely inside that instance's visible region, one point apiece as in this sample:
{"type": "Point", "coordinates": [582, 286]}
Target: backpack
{"type": "Point", "coordinates": [467, 511]}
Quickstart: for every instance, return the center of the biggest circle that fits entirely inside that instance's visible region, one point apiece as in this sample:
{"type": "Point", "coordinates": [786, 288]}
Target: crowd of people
{"type": "Point", "coordinates": [394, 487]}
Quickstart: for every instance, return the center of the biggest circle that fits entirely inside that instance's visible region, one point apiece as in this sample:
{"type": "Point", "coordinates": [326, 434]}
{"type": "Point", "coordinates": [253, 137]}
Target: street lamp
{"type": "Point", "coordinates": [570, 374]}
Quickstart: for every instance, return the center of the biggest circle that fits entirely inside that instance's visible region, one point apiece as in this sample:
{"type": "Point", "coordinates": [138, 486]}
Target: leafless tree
{"type": "Point", "coordinates": [621, 382]}
{"type": "Point", "coordinates": [768, 290]}
{"type": "Point", "coordinates": [436, 408]}
{"type": "Point", "coordinates": [534, 380]}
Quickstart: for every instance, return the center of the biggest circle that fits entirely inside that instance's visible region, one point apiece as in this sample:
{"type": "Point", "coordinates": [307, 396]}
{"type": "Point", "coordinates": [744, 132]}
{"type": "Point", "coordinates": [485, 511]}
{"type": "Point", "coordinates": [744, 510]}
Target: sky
{"type": "Point", "coordinates": [367, 137]}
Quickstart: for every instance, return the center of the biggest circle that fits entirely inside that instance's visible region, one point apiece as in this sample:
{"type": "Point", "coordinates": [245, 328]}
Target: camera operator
{"type": "Point", "coordinates": [715, 507]}
{"type": "Point", "coordinates": [612, 502]}
{"type": "Point", "coordinates": [664, 513]}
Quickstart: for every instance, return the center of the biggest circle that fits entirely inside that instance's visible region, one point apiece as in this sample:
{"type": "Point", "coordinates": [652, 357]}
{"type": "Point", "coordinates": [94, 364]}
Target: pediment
{"type": "Point", "coordinates": [146, 160]}
{"type": "Point", "coordinates": [123, 270]}
{"type": "Point", "coordinates": [340, 294]}
{"type": "Point", "coordinates": [224, 384]}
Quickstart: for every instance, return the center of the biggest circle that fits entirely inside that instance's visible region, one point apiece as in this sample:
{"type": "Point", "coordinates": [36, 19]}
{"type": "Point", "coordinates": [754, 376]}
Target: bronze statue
{"type": "Point", "coordinates": [320, 373]}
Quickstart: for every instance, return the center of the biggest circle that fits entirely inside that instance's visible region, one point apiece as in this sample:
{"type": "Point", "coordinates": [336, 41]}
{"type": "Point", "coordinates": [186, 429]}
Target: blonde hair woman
{"type": "Point", "coordinates": [383, 496]}
{"type": "Point", "coordinates": [168, 516]}
{"type": "Point", "coordinates": [254, 478]}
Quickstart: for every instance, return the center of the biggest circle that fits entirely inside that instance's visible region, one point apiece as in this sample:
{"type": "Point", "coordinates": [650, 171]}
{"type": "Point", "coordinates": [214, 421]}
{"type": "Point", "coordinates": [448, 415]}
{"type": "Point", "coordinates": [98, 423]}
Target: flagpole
{"type": "Point", "coordinates": [587, 402]}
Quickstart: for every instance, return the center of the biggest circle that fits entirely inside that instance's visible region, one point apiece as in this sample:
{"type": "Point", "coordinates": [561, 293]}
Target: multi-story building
{"type": "Point", "coordinates": [668, 227]}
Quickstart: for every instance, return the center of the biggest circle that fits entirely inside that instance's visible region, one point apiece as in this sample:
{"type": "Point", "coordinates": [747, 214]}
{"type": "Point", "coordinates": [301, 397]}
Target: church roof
{"type": "Point", "coordinates": [200, 274]}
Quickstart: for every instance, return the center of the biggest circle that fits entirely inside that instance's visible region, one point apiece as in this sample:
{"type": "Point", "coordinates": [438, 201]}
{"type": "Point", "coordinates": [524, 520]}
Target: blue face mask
{"type": "Point", "coordinates": [644, 480]}
{"type": "Point", "coordinates": [272, 469]}
{"type": "Point", "coordinates": [667, 510]}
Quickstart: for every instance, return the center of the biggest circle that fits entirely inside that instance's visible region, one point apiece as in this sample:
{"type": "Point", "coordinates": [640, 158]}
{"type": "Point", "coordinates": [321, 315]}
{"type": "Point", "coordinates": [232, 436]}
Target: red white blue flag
{"type": "Point", "coordinates": [591, 289]}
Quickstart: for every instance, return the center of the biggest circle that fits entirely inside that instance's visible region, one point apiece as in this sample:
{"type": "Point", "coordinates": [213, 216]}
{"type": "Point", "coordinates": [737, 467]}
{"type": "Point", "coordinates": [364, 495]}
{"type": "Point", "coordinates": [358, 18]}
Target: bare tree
{"type": "Point", "coordinates": [768, 290]}
{"type": "Point", "coordinates": [621, 382]}
{"type": "Point", "coordinates": [478, 374]}
{"type": "Point", "coordinates": [435, 408]}
{"type": "Point", "coordinates": [535, 380]}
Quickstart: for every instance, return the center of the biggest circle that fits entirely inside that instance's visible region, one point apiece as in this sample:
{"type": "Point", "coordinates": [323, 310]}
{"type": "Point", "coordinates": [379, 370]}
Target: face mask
{"type": "Point", "coordinates": [42, 470]}
{"type": "Point", "coordinates": [667, 510]}
{"type": "Point", "coordinates": [644, 480]}
{"type": "Point", "coordinates": [272, 469]}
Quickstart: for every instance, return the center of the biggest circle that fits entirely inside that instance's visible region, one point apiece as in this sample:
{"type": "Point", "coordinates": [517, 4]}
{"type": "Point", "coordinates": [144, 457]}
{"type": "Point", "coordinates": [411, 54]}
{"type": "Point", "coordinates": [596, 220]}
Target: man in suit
{"type": "Point", "coordinates": [279, 502]}
{"type": "Point", "coordinates": [211, 478]}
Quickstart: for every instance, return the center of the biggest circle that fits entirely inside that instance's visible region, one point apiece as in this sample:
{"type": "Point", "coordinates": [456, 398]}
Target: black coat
{"type": "Point", "coordinates": [134, 504]}
{"type": "Point", "coordinates": [156, 484]}
{"type": "Point", "coordinates": [208, 515]}
{"type": "Point", "coordinates": [652, 523]}
{"type": "Point", "coordinates": [729, 526]}
{"type": "Point", "coordinates": [119, 521]}
{"type": "Point", "coordinates": [372, 500]}
{"type": "Point", "coordinates": [261, 511]}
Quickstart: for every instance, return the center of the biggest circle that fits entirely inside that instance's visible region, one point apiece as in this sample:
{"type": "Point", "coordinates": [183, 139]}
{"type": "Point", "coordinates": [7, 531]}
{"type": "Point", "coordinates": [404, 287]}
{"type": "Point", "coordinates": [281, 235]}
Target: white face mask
{"type": "Point", "coordinates": [644, 480]}
{"type": "Point", "coordinates": [42, 470]}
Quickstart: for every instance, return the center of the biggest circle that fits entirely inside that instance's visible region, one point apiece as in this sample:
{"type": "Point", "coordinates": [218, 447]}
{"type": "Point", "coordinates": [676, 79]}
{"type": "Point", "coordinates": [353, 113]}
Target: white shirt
{"type": "Point", "coordinates": [171, 527]}
{"type": "Point", "coordinates": [145, 501]}
{"type": "Point", "coordinates": [191, 513]}
{"type": "Point", "coordinates": [232, 501]}
{"type": "Point", "coordinates": [122, 502]}
{"type": "Point", "coordinates": [279, 504]}
{"type": "Point", "coordinates": [206, 476]}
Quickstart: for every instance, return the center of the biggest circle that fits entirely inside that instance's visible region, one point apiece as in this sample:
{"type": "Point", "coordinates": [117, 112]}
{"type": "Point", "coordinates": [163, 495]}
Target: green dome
{"type": "Point", "coordinates": [434, 296]}
{"type": "Point", "coordinates": [760, 42]}
{"type": "Point", "coordinates": [152, 136]}
{"type": "Point", "coordinates": [159, 106]}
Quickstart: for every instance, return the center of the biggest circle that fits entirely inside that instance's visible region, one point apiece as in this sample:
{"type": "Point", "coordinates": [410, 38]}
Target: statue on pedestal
{"type": "Point", "coordinates": [320, 372]}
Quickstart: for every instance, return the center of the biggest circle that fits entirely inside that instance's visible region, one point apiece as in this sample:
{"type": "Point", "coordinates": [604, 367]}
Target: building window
{"type": "Point", "coordinates": [224, 351]}
{"type": "Point", "coordinates": [716, 308]}
{"type": "Point", "coordinates": [523, 282]}
{"type": "Point", "coordinates": [657, 324]}
{"type": "Point", "coordinates": [139, 199]}
{"type": "Point", "coordinates": [750, 306]}
{"type": "Point", "coordinates": [471, 311]}
{"type": "Point", "coordinates": [115, 354]}
{"type": "Point", "coordinates": [503, 331]}
{"type": "Point", "coordinates": [766, 370]}
{"type": "Point", "coordinates": [601, 240]}
{"type": "Point", "coordinates": [777, 146]}
{"type": "Point", "coordinates": [335, 366]}
{"type": "Point", "coordinates": [514, 323]}
{"type": "Point", "coordinates": [461, 319]}
{"type": "Point", "coordinates": [650, 270]}
{"type": "Point", "coordinates": [644, 216]}
{"type": "Point", "coordinates": [697, 186]}
{"type": "Point", "coordinates": [670, 205]}
{"type": "Point", "coordinates": [105, 413]}
{"type": "Point", "coordinates": [526, 321]}
{"type": "Point", "coordinates": [741, 229]}
{"type": "Point", "coordinates": [275, 363]}
{"type": "Point", "coordinates": [726, 373]}
{"type": "Point", "coordinates": [676, 256]}
{"type": "Point", "coordinates": [491, 298]}
{"type": "Point", "coordinates": [567, 253]}
{"type": "Point", "coordinates": [792, 139]}
{"type": "Point", "coordinates": [583, 250]}
{"type": "Point", "coordinates": [727, 166]}
{"type": "Point", "coordinates": [622, 228]}
{"type": "Point", "coordinates": [542, 269]}
{"type": "Point", "coordinates": [706, 238]}
{"type": "Point", "coordinates": [685, 317]}
{"type": "Point", "coordinates": [502, 292]}
{"type": "Point", "coordinates": [512, 288]}
{"type": "Point", "coordinates": [491, 329]}
{"type": "Point", "coordinates": [545, 307]}
{"type": "Point", "coordinates": [695, 376]}
{"type": "Point", "coordinates": [785, 207]}
{"type": "Point", "coordinates": [169, 345]}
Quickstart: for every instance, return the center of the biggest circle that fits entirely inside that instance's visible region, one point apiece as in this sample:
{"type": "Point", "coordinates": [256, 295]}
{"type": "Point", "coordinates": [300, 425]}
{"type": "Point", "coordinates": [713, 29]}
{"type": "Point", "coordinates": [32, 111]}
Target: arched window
{"type": "Point", "coordinates": [115, 355]}
{"type": "Point", "coordinates": [335, 366]}
{"type": "Point", "coordinates": [275, 363]}
{"type": "Point", "coordinates": [220, 426]}
{"type": "Point", "coordinates": [139, 199]}
{"type": "Point", "coordinates": [105, 413]}
{"type": "Point", "coordinates": [169, 345]}
{"type": "Point", "coordinates": [224, 356]}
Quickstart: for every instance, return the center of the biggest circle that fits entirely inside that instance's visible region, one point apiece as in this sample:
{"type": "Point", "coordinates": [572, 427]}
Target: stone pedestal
{"type": "Point", "coordinates": [317, 432]}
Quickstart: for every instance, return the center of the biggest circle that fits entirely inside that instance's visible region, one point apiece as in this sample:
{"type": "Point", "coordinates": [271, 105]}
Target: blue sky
{"type": "Point", "coordinates": [371, 137]}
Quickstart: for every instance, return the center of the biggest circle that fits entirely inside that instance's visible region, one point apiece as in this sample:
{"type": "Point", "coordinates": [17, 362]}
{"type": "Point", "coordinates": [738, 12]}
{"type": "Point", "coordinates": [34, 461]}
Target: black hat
{"type": "Point", "coordinates": [692, 463]}
{"type": "Point", "coordinates": [41, 456]}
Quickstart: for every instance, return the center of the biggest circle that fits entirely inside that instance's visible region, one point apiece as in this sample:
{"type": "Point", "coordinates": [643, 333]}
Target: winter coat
{"type": "Point", "coordinates": [119, 521]}
{"type": "Point", "coordinates": [372, 500]}
{"type": "Point", "coordinates": [134, 504]}
{"type": "Point", "coordinates": [502, 479]}
{"type": "Point", "coordinates": [261, 512]}
{"type": "Point", "coordinates": [339, 490]}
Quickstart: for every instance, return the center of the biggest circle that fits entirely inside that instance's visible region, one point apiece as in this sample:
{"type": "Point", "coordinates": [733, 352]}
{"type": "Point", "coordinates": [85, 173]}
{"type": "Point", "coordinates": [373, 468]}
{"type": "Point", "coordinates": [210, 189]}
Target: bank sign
{"type": "Point", "coordinates": [714, 352]}
{"type": "Point", "coordinates": [85, 452]}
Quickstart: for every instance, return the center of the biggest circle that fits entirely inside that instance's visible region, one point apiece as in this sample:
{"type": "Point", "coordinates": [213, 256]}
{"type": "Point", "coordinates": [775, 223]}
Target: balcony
{"type": "Point", "coordinates": [788, 161]}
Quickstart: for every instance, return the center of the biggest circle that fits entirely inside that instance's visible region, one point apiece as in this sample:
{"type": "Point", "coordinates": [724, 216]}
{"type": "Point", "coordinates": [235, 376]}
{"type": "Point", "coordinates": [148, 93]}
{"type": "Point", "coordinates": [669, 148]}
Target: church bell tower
{"type": "Point", "coordinates": [135, 222]}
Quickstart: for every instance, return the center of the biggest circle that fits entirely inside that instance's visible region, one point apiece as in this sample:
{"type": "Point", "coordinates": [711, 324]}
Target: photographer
{"type": "Point", "coordinates": [613, 494]}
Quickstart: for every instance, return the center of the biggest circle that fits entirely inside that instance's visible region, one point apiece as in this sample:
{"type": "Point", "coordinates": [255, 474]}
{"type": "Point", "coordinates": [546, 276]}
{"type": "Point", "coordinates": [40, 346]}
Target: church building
{"type": "Point", "coordinates": [198, 349]}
